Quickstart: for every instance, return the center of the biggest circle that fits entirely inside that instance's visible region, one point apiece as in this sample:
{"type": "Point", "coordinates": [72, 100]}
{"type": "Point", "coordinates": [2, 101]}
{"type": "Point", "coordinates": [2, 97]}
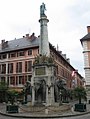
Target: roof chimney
{"type": "Point", "coordinates": [3, 41]}
{"type": "Point", "coordinates": [32, 37]}
{"type": "Point", "coordinates": [88, 29]}
{"type": "Point", "coordinates": [64, 55]}
{"type": "Point", "coordinates": [60, 52]}
{"type": "Point", "coordinates": [27, 35]}
{"type": "Point", "coordinates": [68, 60]}
{"type": "Point", "coordinates": [4, 44]}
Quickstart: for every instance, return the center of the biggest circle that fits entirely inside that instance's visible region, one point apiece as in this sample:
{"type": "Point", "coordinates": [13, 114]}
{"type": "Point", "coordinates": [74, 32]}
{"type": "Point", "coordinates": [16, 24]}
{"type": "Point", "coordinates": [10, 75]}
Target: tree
{"type": "Point", "coordinates": [3, 91]}
{"type": "Point", "coordinates": [80, 93]}
{"type": "Point", "coordinates": [12, 96]}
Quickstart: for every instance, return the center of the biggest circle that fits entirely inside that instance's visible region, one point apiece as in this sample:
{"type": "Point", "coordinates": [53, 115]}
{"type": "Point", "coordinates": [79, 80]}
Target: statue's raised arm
{"type": "Point", "coordinates": [42, 9]}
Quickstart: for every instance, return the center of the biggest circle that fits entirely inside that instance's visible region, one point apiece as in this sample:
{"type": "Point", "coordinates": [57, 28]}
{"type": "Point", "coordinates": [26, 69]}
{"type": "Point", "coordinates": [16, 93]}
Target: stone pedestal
{"type": "Point", "coordinates": [43, 84]}
{"type": "Point", "coordinates": [44, 44]}
{"type": "Point", "coordinates": [43, 76]}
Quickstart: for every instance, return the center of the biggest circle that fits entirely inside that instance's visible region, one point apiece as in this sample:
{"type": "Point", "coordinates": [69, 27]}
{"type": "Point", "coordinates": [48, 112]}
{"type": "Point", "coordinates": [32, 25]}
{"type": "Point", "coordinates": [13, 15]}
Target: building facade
{"type": "Point", "coordinates": [85, 41]}
{"type": "Point", "coordinates": [17, 57]}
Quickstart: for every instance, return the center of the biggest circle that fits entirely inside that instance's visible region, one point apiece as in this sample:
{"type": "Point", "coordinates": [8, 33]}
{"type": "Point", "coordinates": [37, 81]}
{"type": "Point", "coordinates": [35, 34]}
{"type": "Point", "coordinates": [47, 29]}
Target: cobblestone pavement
{"type": "Point", "coordinates": [78, 117]}
{"type": "Point", "coordinates": [63, 114]}
{"type": "Point", "coordinates": [87, 116]}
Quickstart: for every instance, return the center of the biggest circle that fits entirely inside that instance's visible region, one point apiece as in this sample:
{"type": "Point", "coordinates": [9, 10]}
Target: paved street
{"type": "Point", "coordinates": [28, 114]}
{"type": "Point", "coordinates": [87, 116]}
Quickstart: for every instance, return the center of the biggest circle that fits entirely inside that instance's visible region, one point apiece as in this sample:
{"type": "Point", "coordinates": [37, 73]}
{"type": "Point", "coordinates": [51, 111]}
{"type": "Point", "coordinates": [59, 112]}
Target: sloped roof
{"type": "Point", "coordinates": [25, 42]}
{"type": "Point", "coordinates": [20, 43]}
{"type": "Point", "coordinates": [86, 37]}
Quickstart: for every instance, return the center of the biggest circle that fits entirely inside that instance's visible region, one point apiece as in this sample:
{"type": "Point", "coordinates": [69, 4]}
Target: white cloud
{"type": "Point", "coordinates": [67, 23]}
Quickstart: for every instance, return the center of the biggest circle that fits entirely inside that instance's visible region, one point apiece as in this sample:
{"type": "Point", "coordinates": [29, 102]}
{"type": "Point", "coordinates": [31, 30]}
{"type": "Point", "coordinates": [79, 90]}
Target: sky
{"type": "Point", "coordinates": [68, 21]}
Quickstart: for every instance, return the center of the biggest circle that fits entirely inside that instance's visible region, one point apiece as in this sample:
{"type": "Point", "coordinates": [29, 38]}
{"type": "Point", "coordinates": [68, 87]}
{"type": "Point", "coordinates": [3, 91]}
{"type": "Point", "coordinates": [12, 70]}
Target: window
{"type": "Point", "coordinates": [0, 56]}
{"type": "Point", "coordinates": [16, 80]}
{"type": "Point", "coordinates": [21, 80]}
{"type": "Point", "coordinates": [10, 68]}
{"type": "Point", "coordinates": [28, 66]}
{"type": "Point", "coordinates": [29, 78]}
{"type": "Point", "coordinates": [4, 56]}
{"type": "Point", "coordinates": [11, 55]}
{"type": "Point", "coordinates": [12, 80]}
{"type": "Point", "coordinates": [3, 68]}
{"type": "Point", "coordinates": [19, 67]}
{"type": "Point", "coordinates": [25, 78]}
{"type": "Point", "coordinates": [3, 79]}
{"type": "Point", "coordinates": [30, 52]}
{"type": "Point", "coordinates": [20, 53]}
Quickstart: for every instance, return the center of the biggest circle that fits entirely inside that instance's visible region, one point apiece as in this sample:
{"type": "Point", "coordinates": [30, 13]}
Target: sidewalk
{"type": "Point", "coordinates": [24, 111]}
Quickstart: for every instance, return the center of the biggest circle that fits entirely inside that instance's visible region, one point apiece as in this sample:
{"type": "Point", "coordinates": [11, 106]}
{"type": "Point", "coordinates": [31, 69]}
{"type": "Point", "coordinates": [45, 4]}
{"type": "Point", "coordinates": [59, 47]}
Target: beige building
{"type": "Point", "coordinates": [85, 41]}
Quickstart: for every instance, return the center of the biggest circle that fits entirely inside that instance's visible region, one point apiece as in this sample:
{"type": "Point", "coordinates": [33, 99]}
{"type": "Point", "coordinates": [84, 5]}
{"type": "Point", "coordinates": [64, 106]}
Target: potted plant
{"type": "Point", "coordinates": [12, 106]}
{"type": "Point", "coordinates": [80, 93]}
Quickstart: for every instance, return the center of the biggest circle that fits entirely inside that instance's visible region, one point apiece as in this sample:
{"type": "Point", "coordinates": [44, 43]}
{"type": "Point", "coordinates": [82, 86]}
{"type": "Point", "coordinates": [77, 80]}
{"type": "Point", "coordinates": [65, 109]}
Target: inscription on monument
{"type": "Point", "coordinates": [40, 71]}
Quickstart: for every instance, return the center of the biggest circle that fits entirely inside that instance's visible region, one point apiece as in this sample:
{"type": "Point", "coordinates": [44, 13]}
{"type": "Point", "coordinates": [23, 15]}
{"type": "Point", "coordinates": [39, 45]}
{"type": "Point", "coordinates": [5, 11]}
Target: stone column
{"type": "Point", "coordinates": [33, 96]}
{"type": "Point", "coordinates": [52, 95]}
{"type": "Point", "coordinates": [47, 103]}
{"type": "Point", "coordinates": [33, 89]}
{"type": "Point", "coordinates": [48, 92]}
{"type": "Point", "coordinates": [44, 44]}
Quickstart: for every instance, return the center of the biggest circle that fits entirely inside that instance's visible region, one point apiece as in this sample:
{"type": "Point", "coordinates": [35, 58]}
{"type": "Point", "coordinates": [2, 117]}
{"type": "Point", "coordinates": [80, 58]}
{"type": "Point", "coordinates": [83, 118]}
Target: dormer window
{"type": "Point", "coordinates": [11, 55]}
{"type": "Point", "coordinates": [20, 53]}
{"type": "Point", "coordinates": [30, 52]}
{"type": "Point", "coordinates": [4, 56]}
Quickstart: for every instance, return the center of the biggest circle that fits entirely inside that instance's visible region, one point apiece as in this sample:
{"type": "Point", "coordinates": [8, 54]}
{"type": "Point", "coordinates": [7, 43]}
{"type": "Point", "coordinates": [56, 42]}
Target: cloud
{"type": "Point", "coordinates": [67, 23]}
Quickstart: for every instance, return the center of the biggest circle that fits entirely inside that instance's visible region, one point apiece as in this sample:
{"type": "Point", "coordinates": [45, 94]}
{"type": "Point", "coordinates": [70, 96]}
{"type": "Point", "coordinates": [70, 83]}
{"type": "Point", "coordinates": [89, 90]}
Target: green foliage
{"type": "Point", "coordinates": [3, 91]}
{"type": "Point", "coordinates": [12, 92]}
{"type": "Point", "coordinates": [3, 86]}
{"type": "Point", "coordinates": [12, 95]}
{"type": "Point", "coordinates": [80, 93]}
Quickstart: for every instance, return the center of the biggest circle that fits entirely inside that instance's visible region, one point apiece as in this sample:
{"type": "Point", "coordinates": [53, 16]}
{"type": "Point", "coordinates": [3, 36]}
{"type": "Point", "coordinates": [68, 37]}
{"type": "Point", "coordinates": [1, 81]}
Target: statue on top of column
{"type": "Point", "coordinates": [42, 10]}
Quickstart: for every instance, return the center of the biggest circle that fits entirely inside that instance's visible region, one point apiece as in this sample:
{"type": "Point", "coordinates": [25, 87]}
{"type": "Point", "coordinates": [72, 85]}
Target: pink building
{"type": "Point", "coordinates": [17, 57]}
